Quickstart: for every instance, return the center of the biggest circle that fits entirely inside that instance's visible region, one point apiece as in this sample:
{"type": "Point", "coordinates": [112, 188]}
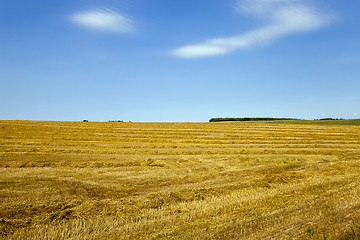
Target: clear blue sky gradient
{"type": "Point", "coordinates": [55, 65]}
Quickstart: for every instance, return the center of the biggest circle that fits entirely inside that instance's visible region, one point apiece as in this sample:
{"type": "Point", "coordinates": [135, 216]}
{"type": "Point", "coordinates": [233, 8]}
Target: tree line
{"type": "Point", "coordinates": [248, 119]}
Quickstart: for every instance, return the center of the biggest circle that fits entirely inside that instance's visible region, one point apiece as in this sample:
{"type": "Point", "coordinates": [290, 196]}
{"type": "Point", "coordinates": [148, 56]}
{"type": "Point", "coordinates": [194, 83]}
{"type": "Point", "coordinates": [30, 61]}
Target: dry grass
{"type": "Point", "coordinates": [74, 180]}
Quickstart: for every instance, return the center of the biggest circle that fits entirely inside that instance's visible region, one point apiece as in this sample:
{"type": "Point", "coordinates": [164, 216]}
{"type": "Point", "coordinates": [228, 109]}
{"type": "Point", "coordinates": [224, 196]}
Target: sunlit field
{"type": "Point", "coordinates": [227, 180]}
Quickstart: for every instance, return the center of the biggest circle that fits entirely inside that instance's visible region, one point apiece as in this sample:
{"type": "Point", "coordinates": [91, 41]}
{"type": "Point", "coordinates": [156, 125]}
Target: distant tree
{"type": "Point", "coordinates": [248, 119]}
{"type": "Point", "coordinates": [85, 120]}
{"type": "Point", "coordinates": [330, 119]}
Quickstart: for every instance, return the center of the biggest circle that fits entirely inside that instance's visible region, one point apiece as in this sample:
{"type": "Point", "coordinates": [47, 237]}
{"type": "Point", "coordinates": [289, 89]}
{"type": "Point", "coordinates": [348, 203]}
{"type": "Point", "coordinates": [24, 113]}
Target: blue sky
{"type": "Point", "coordinates": [161, 60]}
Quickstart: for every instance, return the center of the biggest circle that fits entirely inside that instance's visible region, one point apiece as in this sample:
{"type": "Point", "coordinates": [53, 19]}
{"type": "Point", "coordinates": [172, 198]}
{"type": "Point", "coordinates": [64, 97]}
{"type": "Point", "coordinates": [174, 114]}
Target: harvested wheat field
{"type": "Point", "coordinates": [228, 180]}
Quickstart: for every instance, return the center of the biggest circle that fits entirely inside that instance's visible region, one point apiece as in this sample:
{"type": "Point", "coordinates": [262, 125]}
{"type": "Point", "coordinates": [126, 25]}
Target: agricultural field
{"type": "Point", "coordinates": [226, 180]}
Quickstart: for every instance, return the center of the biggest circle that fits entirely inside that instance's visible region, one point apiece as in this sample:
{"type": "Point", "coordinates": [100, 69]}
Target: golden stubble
{"type": "Point", "coordinates": [75, 180]}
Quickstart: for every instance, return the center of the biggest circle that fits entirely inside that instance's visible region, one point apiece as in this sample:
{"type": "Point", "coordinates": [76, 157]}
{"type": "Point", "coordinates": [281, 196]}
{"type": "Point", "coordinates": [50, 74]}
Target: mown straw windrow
{"type": "Point", "coordinates": [229, 180]}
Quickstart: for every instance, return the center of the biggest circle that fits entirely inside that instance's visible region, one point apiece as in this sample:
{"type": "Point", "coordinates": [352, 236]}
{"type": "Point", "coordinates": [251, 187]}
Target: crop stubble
{"type": "Point", "coordinates": [178, 180]}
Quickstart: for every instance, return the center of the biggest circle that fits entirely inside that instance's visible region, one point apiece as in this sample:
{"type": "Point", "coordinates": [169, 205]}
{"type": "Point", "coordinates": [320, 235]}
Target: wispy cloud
{"type": "Point", "coordinates": [104, 19]}
{"type": "Point", "coordinates": [351, 59]}
{"type": "Point", "coordinates": [283, 17]}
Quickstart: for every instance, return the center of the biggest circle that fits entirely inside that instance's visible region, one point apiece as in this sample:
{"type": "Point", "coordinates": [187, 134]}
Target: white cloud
{"type": "Point", "coordinates": [350, 59]}
{"type": "Point", "coordinates": [284, 17]}
{"type": "Point", "coordinates": [103, 19]}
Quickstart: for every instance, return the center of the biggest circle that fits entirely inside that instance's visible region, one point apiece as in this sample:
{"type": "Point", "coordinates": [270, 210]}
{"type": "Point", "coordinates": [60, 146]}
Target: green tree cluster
{"type": "Point", "coordinates": [248, 119]}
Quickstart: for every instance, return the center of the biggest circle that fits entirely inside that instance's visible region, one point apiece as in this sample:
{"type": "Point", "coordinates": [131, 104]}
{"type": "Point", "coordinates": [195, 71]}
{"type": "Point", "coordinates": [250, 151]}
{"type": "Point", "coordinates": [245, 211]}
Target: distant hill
{"type": "Point", "coordinates": [323, 121]}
